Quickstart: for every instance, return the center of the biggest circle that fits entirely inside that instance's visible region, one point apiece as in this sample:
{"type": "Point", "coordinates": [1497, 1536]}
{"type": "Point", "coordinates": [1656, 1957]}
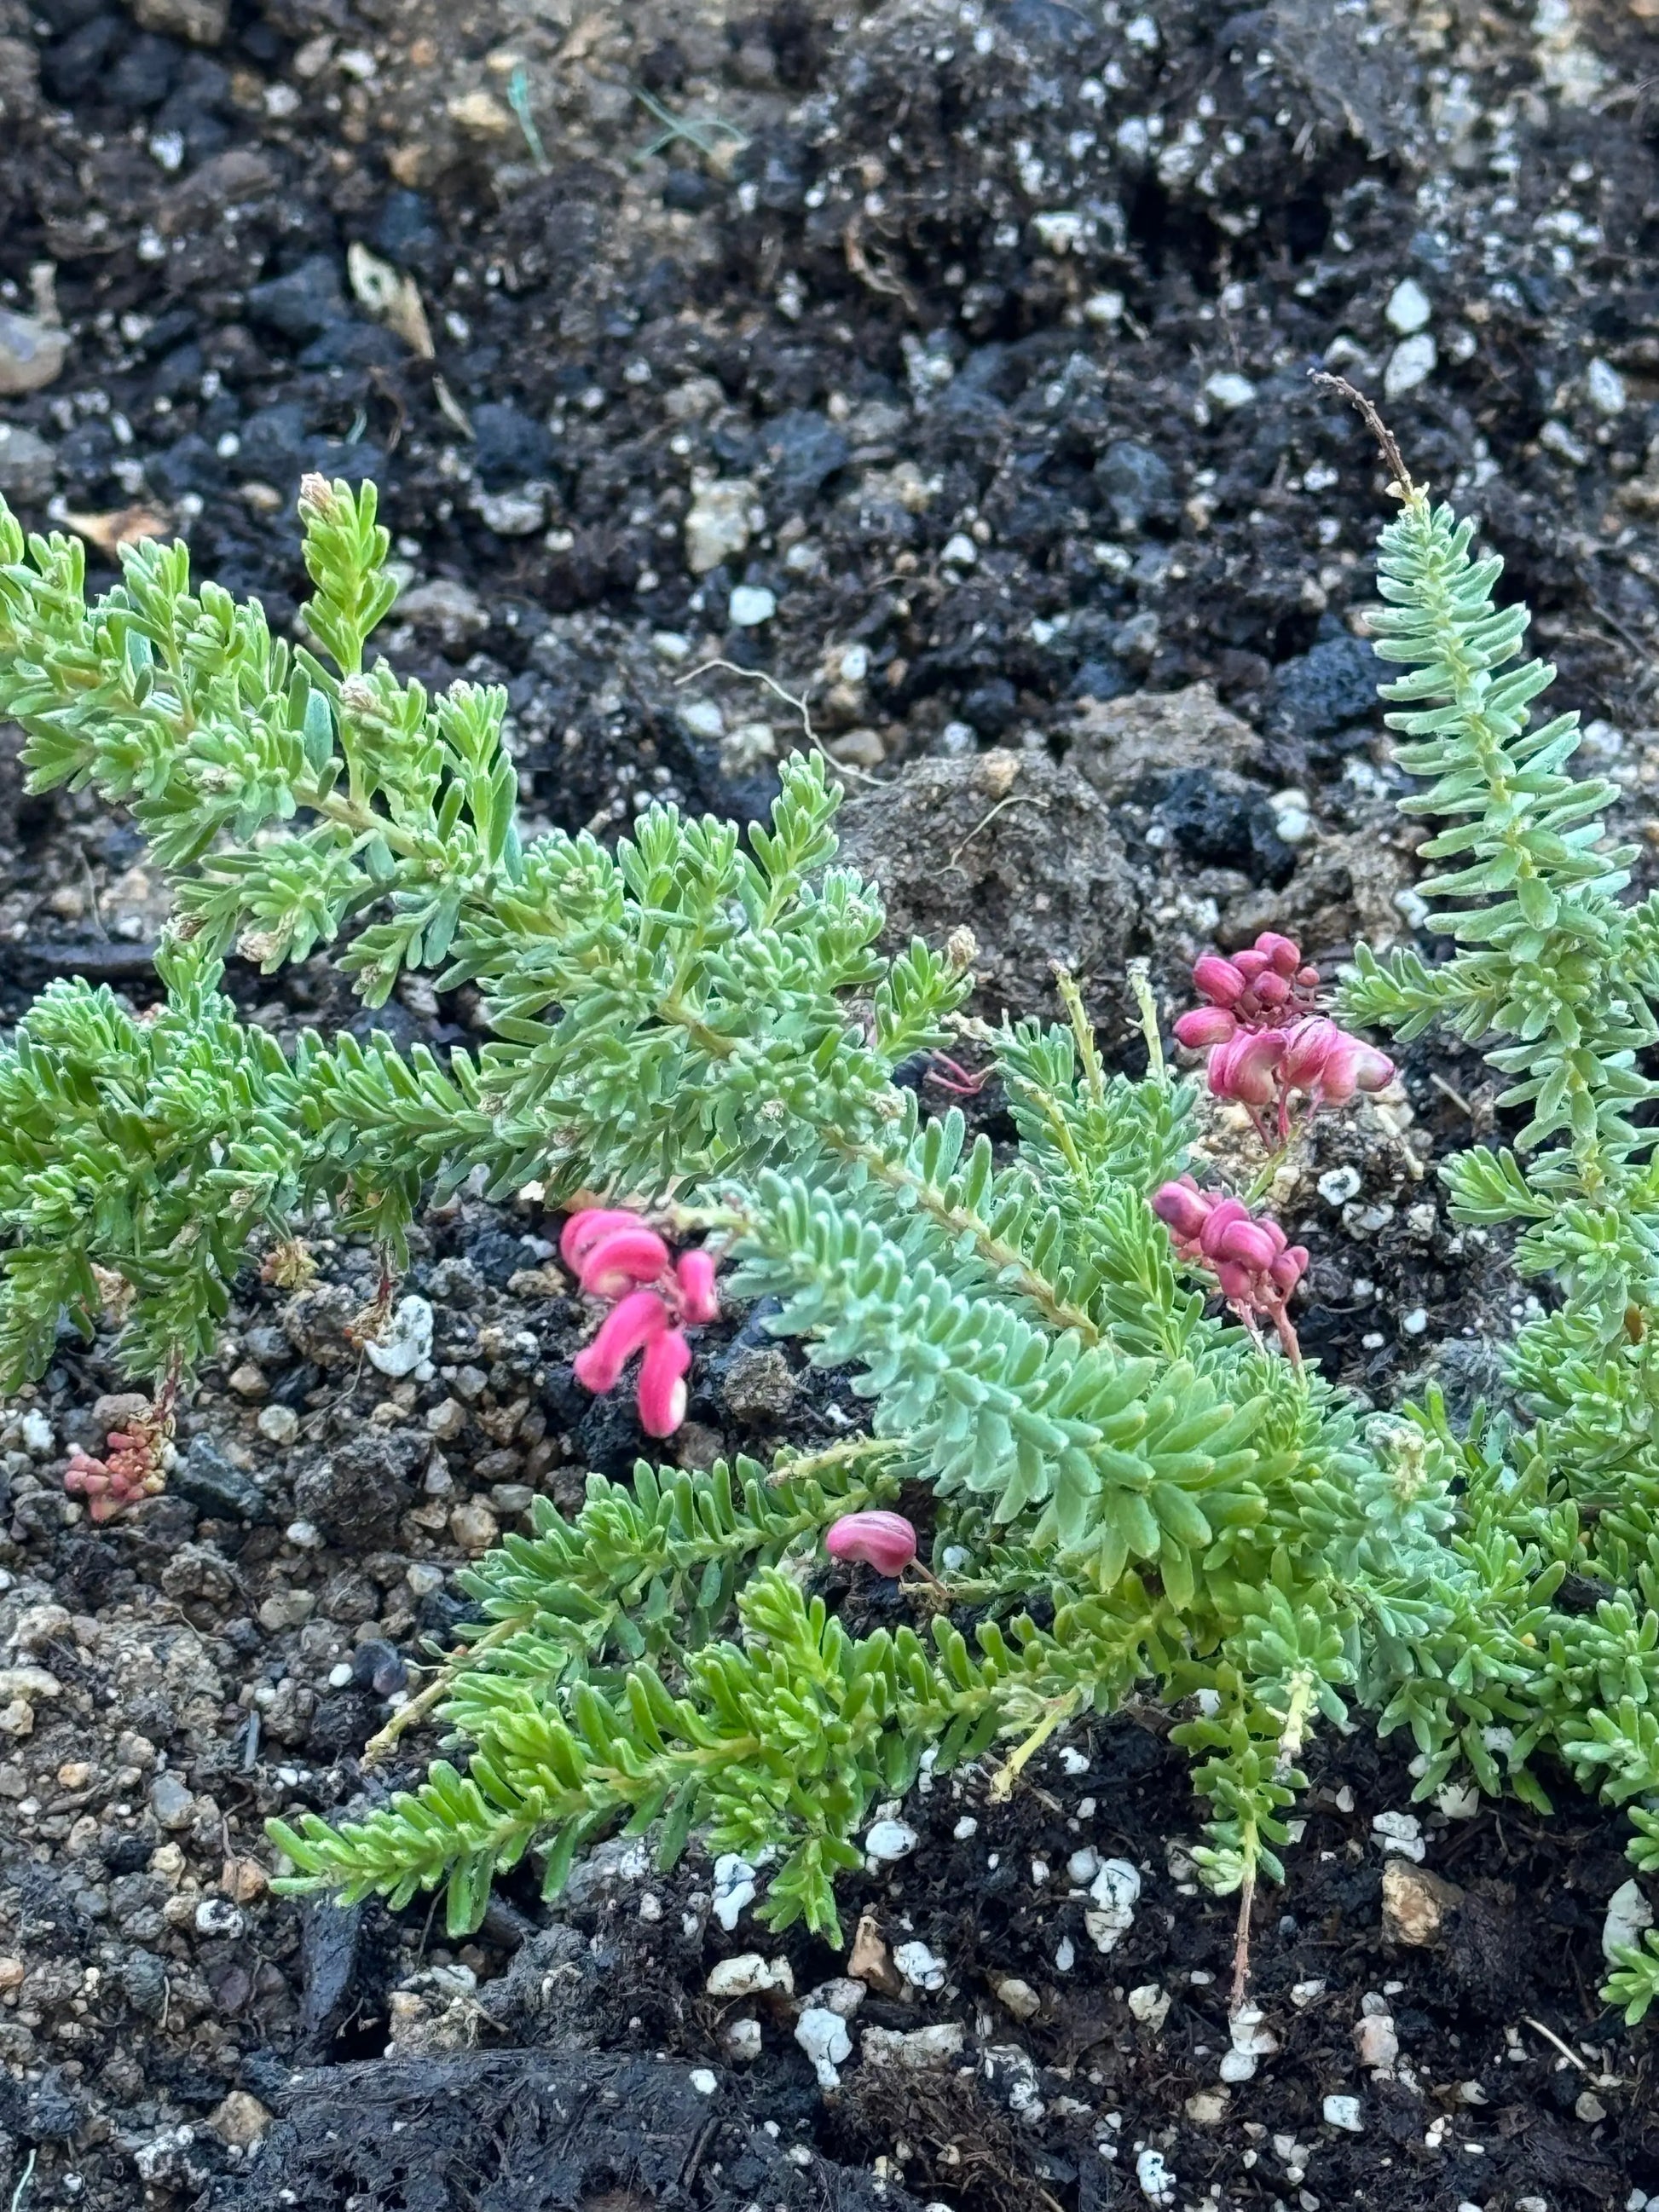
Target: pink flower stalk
{"type": "Point", "coordinates": [1266, 1041]}
{"type": "Point", "coordinates": [886, 1541]}
{"type": "Point", "coordinates": [1249, 1255]}
{"type": "Point", "coordinates": [618, 1257]}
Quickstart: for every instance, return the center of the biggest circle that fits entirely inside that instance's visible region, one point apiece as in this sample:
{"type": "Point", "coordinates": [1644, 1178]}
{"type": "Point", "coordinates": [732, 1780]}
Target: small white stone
{"type": "Point", "coordinates": [1409, 307]}
{"type": "Point", "coordinates": [1157, 2183]}
{"type": "Point", "coordinates": [704, 2080]}
{"type": "Point", "coordinates": [1338, 1185]}
{"type": "Point", "coordinates": [1628, 1914]}
{"type": "Point", "coordinates": [923, 2049]}
{"type": "Point", "coordinates": [1207, 2108]}
{"type": "Point", "coordinates": [38, 1434]}
{"type": "Point", "coordinates": [703, 718]}
{"type": "Point", "coordinates": [278, 1425]}
{"type": "Point", "coordinates": [822, 2034]}
{"type": "Point", "coordinates": [1605, 388]}
{"type": "Point", "coordinates": [890, 1841]}
{"type": "Point", "coordinates": [1229, 390]}
{"type": "Point", "coordinates": [717, 523]}
{"type": "Point", "coordinates": [734, 1888]}
{"type": "Point", "coordinates": [1074, 1760]}
{"type": "Point", "coordinates": [966, 1827]}
{"type": "Point", "coordinates": [750, 1975]}
{"type": "Point", "coordinates": [1059, 232]}
{"type": "Point", "coordinates": [1414, 1324]}
{"type": "Point", "coordinates": [741, 2041]}
{"type": "Point", "coordinates": [1142, 31]}
{"type": "Point", "coordinates": [670, 645]}
{"type": "Point", "coordinates": [1303, 1993]}
{"type": "Point", "coordinates": [1084, 1865]}
{"type": "Point", "coordinates": [960, 551]}
{"type": "Point", "coordinates": [1150, 2005]}
{"type": "Point", "coordinates": [1458, 1801]}
{"type": "Point", "coordinates": [1021, 1999]}
{"type": "Point", "coordinates": [1376, 2041]}
{"type": "Point", "coordinates": [752, 604]}
{"type": "Point", "coordinates": [1115, 1891]}
{"type": "Point", "coordinates": [1293, 825]}
{"type": "Point", "coordinates": [1411, 364]}
{"type": "Point", "coordinates": [840, 1995]}
{"type": "Point", "coordinates": [922, 1968]}
{"type": "Point", "coordinates": [1064, 1955]}
{"type": "Point", "coordinates": [1343, 2112]}
{"type": "Point", "coordinates": [407, 1341]}
{"type": "Point", "coordinates": [856, 661]}
{"type": "Point", "coordinates": [1400, 1832]}
{"type": "Point", "coordinates": [1105, 308]}
{"type": "Point", "coordinates": [1589, 2108]}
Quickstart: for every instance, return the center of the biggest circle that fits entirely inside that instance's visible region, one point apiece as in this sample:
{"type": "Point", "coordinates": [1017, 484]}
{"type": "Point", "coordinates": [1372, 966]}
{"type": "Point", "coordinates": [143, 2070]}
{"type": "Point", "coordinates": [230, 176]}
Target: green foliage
{"type": "Point", "coordinates": [709, 1023]}
{"type": "Point", "coordinates": [1552, 976]}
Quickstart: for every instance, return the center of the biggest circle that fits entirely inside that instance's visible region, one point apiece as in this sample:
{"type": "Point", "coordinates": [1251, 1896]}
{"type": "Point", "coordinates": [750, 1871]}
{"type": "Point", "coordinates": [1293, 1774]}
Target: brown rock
{"type": "Point", "coordinates": [238, 173]}
{"type": "Point", "coordinates": [239, 2120]}
{"type": "Point", "coordinates": [204, 22]}
{"type": "Point", "coordinates": [1022, 846]}
{"type": "Point", "coordinates": [1116, 743]}
{"type": "Point", "coordinates": [1415, 1903]}
{"type": "Point", "coordinates": [868, 1960]}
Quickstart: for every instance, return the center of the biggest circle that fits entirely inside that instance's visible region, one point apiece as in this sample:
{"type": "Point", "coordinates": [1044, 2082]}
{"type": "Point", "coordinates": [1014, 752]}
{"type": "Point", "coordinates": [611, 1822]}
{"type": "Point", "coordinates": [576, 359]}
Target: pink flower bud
{"type": "Point", "coordinates": [1373, 1070]}
{"type": "Point", "coordinates": [1220, 1217]}
{"type": "Point", "coordinates": [1310, 1050]}
{"type": "Point", "coordinates": [1289, 1268]}
{"type": "Point", "coordinates": [1217, 979]}
{"type": "Point", "coordinates": [694, 1272]}
{"type": "Point", "coordinates": [1237, 1283]}
{"type": "Point", "coordinates": [662, 1383]}
{"type": "Point", "coordinates": [1205, 1025]}
{"type": "Point", "coordinates": [886, 1541]}
{"type": "Point", "coordinates": [1245, 1068]}
{"type": "Point", "coordinates": [1182, 1207]}
{"type": "Point", "coordinates": [1284, 953]}
{"type": "Point", "coordinates": [583, 1230]}
{"type": "Point", "coordinates": [1247, 1242]}
{"type": "Point", "coordinates": [1271, 988]}
{"type": "Point", "coordinates": [1308, 978]}
{"type": "Point", "coordinates": [634, 1322]}
{"type": "Point", "coordinates": [1250, 964]}
{"type": "Point", "coordinates": [619, 1261]}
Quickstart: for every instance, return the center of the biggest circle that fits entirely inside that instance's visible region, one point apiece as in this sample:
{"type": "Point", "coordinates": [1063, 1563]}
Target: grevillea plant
{"type": "Point", "coordinates": [701, 1029]}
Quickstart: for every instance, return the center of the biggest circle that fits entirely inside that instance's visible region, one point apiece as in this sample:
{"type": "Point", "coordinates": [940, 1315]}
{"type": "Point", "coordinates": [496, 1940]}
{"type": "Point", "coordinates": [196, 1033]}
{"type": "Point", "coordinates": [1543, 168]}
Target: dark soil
{"type": "Point", "coordinates": [984, 353]}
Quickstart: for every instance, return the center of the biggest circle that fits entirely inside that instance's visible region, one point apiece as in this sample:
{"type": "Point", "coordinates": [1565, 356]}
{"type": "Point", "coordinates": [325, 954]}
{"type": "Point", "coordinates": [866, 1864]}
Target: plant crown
{"type": "Point", "coordinates": [703, 1025]}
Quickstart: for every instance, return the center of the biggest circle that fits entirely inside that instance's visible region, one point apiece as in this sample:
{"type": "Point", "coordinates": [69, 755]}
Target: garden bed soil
{"type": "Point", "coordinates": [966, 348]}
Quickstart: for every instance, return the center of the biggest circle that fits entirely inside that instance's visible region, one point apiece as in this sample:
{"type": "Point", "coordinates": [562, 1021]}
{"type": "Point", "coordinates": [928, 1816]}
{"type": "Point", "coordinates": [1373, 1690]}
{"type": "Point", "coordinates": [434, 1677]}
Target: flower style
{"type": "Point", "coordinates": [619, 1258]}
{"type": "Point", "coordinates": [1266, 1041]}
{"type": "Point", "coordinates": [1249, 1255]}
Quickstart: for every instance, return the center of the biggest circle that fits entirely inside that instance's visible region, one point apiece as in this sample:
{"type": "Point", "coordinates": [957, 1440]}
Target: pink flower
{"type": "Point", "coordinates": [619, 1258]}
{"type": "Point", "coordinates": [695, 1273]}
{"type": "Point", "coordinates": [131, 1471]}
{"type": "Point", "coordinates": [886, 1541]}
{"type": "Point", "coordinates": [1265, 1042]}
{"type": "Point", "coordinates": [627, 1328]}
{"type": "Point", "coordinates": [615, 1262]}
{"type": "Point", "coordinates": [662, 1383]}
{"type": "Point", "coordinates": [1255, 1267]}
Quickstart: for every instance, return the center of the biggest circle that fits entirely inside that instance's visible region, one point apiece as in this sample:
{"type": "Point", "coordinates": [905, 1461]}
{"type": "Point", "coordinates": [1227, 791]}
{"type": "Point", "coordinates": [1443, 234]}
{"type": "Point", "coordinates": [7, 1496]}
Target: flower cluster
{"type": "Point", "coordinates": [617, 1256]}
{"type": "Point", "coordinates": [1248, 1255]}
{"type": "Point", "coordinates": [1267, 1041]}
{"type": "Point", "coordinates": [131, 1470]}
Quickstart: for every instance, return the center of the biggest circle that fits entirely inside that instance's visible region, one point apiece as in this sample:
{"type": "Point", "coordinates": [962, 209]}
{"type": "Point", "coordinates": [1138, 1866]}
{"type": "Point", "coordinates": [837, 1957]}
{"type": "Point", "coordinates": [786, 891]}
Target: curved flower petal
{"type": "Point", "coordinates": [634, 1322]}
{"type": "Point", "coordinates": [886, 1541]}
{"type": "Point", "coordinates": [662, 1383]}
